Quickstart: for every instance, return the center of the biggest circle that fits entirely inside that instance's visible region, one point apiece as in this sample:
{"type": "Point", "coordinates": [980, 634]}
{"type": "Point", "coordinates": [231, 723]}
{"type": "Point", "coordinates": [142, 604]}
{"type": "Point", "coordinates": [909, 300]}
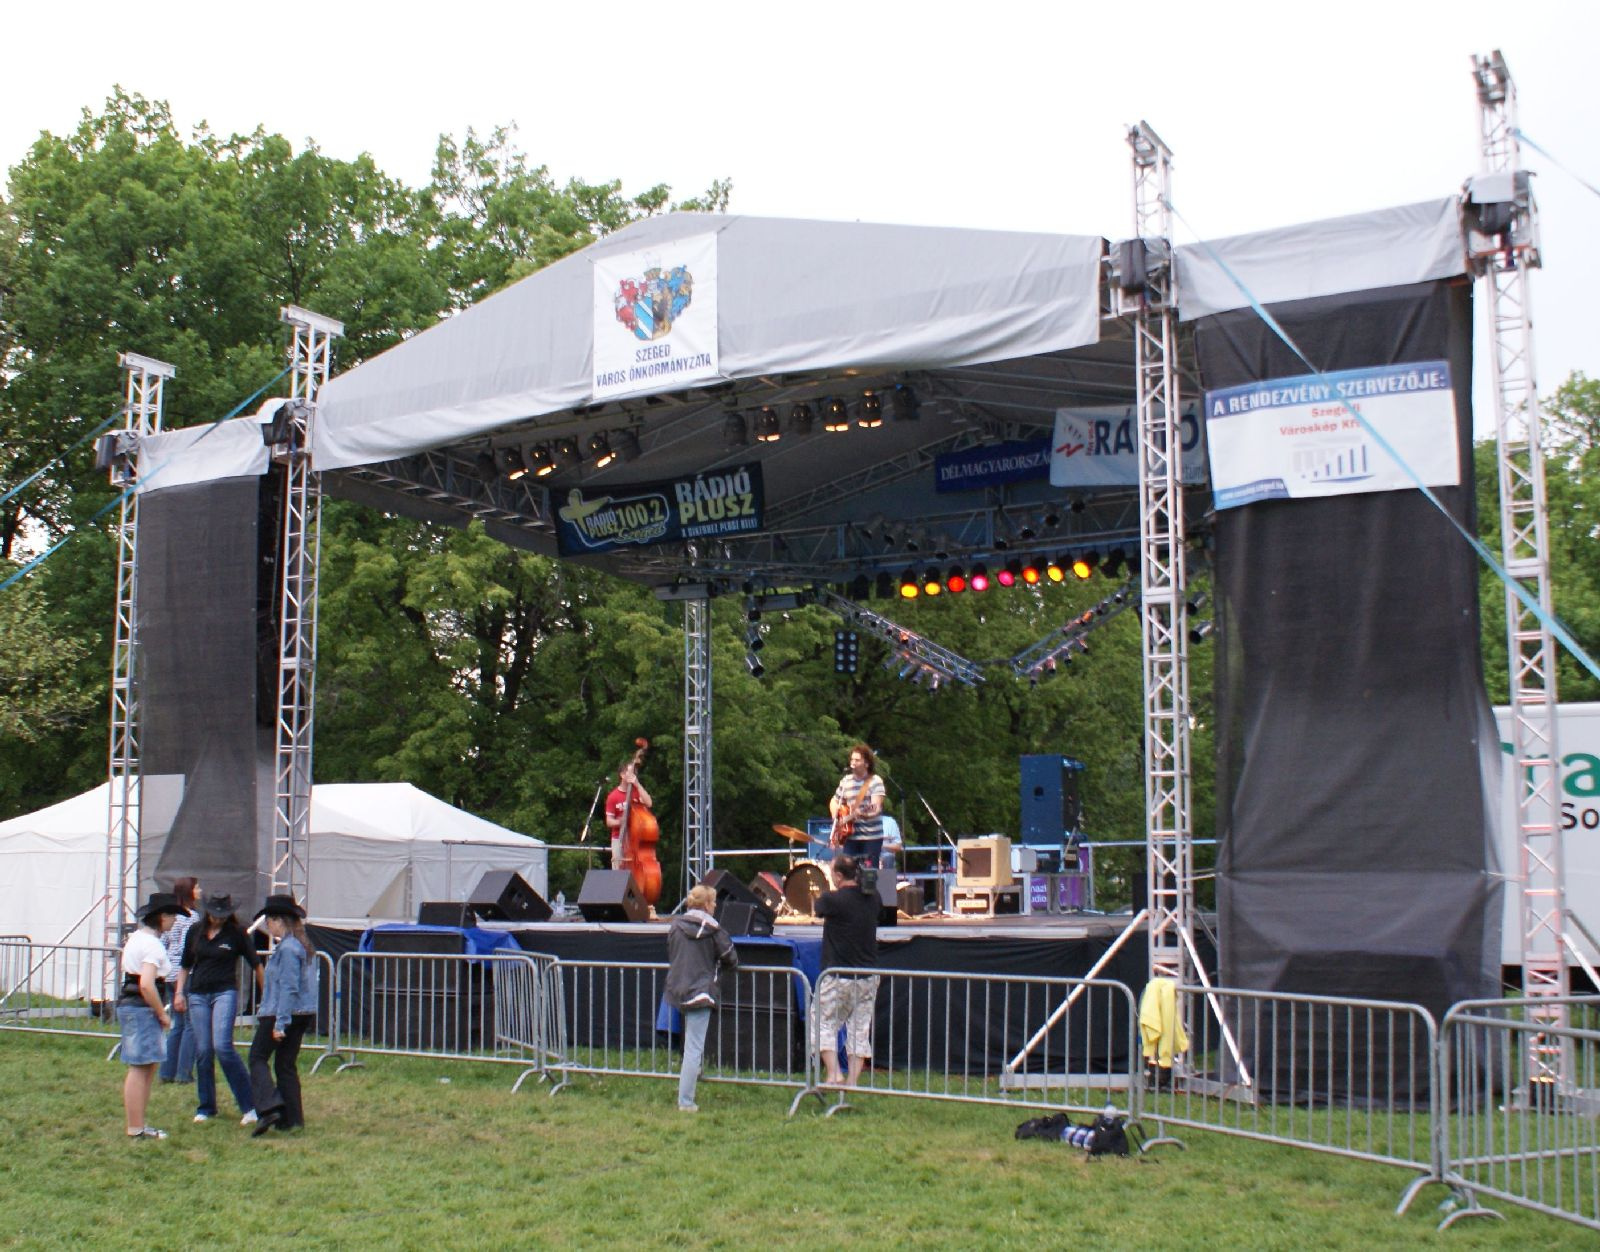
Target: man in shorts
{"type": "Point", "coordinates": [849, 942]}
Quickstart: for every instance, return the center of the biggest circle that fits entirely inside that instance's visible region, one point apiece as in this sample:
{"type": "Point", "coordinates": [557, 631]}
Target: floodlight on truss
{"type": "Point", "coordinates": [907, 648]}
{"type": "Point", "coordinates": [1056, 648]}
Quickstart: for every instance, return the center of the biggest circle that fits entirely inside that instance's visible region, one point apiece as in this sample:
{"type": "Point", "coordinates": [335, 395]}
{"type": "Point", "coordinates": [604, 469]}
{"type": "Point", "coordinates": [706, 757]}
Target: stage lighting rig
{"type": "Point", "coordinates": [1056, 648]}
{"type": "Point", "coordinates": [540, 460]}
{"type": "Point", "coordinates": [869, 413]}
{"type": "Point", "coordinates": [906, 647]}
{"type": "Point", "coordinates": [627, 444]}
{"type": "Point", "coordinates": [801, 417]}
{"type": "Point", "coordinates": [599, 447]}
{"type": "Point", "coordinates": [567, 454]}
{"type": "Point", "coordinates": [835, 416]}
{"type": "Point", "coordinates": [768, 427]}
{"type": "Point", "coordinates": [734, 434]}
{"type": "Point", "coordinates": [488, 468]}
{"type": "Point", "coordinates": [903, 403]}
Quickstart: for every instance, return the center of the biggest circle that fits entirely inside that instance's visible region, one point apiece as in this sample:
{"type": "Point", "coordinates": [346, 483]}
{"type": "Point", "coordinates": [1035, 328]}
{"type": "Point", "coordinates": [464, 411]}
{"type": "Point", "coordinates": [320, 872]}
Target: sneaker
{"type": "Point", "coordinates": [202, 1117]}
{"type": "Point", "coordinates": [249, 1119]}
{"type": "Point", "coordinates": [148, 1132]}
{"type": "Point", "coordinates": [688, 1108]}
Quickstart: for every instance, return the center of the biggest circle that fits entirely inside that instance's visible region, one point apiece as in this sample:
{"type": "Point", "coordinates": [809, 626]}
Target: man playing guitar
{"type": "Point", "coordinates": [857, 808]}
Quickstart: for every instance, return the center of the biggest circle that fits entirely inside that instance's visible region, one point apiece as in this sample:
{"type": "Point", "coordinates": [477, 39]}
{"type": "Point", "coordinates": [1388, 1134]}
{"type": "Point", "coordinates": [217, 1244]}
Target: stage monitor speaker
{"type": "Point", "coordinates": [768, 888]}
{"type": "Point", "coordinates": [1050, 805]}
{"type": "Point", "coordinates": [731, 891]}
{"type": "Point", "coordinates": [739, 917]}
{"type": "Point", "coordinates": [608, 895]}
{"type": "Point", "coordinates": [446, 913]}
{"type": "Point", "coordinates": [503, 895]}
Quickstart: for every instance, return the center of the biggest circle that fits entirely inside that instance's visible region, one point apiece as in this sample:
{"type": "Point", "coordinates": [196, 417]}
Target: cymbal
{"type": "Point", "coordinates": [790, 832]}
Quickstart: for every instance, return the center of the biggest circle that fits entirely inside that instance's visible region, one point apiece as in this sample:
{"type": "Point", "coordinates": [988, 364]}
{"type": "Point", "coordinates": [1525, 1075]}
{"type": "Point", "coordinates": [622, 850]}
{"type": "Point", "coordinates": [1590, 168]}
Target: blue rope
{"type": "Point", "coordinates": [117, 500]}
{"type": "Point", "coordinates": [1548, 620]}
{"type": "Point", "coordinates": [1556, 161]}
{"type": "Point", "coordinates": [56, 460]}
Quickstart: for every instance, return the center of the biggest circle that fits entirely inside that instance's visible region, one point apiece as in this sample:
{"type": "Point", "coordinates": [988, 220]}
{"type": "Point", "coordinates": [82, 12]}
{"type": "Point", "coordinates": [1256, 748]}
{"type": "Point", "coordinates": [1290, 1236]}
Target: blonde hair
{"type": "Point", "coordinates": [702, 897]}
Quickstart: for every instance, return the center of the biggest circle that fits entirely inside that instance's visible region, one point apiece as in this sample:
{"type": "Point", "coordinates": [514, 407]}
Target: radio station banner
{"type": "Point", "coordinates": [722, 502]}
{"type": "Point", "coordinates": [1293, 438]}
{"type": "Point", "coordinates": [991, 465]}
{"type": "Point", "coordinates": [1098, 447]}
{"type": "Point", "coordinates": [655, 318]}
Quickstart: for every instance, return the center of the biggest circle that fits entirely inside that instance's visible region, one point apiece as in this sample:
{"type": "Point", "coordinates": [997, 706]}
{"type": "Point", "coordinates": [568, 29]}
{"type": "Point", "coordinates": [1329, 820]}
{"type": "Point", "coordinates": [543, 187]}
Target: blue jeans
{"type": "Point", "coordinates": [695, 1022]}
{"type": "Point", "coordinates": [211, 1017]}
{"type": "Point", "coordinates": [179, 1063]}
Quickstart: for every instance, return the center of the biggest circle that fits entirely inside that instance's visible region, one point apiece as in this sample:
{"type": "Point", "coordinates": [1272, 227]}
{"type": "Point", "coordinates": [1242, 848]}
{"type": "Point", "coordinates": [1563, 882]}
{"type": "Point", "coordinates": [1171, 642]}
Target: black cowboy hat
{"type": "Point", "coordinates": [281, 906]}
{"type": "Point", "coordinates": [161, 902]}
{"type": "Point", "coordinates": [220, 905]}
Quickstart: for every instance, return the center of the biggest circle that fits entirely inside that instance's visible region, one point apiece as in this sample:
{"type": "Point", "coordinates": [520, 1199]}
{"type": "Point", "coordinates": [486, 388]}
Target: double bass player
{"type": "Point", "coordinates": [628, 792]}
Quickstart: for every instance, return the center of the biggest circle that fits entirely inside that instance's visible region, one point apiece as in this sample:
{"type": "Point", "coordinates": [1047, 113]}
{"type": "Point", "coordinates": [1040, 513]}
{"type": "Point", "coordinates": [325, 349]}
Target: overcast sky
{"type": "Point", "coordinates": [998, 115]}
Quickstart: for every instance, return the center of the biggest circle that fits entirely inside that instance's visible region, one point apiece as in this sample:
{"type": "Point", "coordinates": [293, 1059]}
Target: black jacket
{"type": "Point", "coordinates": [696, 947]}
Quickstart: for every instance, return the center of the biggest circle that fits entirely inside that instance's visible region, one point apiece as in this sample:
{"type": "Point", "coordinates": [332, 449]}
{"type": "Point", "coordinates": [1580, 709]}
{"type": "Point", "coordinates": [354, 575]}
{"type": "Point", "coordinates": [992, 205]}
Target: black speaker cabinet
{"type": "Point", "coordinates": [608, 895]}
{"type": "Point", "coordinates": [503, 895]}
{"type": "Point", "coordinates": [769, 890]}
{"type": "Point", "coordinates": [888, 901]}
{"type": "Point", "coordinates": [1050, 806]}
{"type": "Point", "coordinates": [731, 891]}
{"type": "Point", "coordinates": [446, 913]}
{"type": "Point", "coordinates": [741, 918]}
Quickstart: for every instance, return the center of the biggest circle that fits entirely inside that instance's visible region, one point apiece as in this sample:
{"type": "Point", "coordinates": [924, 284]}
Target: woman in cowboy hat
{"type": "Point", "coordinates": [288, 1010]}
{"type": "Point", "coordinates": [208, 990]}
{"type": "Point", "coordinates": [141, 1008]}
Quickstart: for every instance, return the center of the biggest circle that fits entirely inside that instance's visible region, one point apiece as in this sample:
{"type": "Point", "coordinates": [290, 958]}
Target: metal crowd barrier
{"type": "Point", "coordinates": [1055, 1043]}
{"type": "Point", "coordinates": [469, 1008]}
{"type": "Point", "coordinates": [612, 1018]}
{"type": "Point", "coordinates": [1524, 1100]}
{"type": "Point", "coordinates": [56, 987]}
{"type": "Point", "coordinates": [1351, 1077]}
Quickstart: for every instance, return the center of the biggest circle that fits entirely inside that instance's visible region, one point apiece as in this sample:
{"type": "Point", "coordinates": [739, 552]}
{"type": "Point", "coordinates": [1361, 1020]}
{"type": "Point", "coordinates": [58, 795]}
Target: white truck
{"type": "Point", "coordinates": [1578, 740]}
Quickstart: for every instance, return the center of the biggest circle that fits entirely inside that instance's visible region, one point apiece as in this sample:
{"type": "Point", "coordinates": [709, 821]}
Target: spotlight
{"type": "Point", "coordinates": [1051, 517]}
{"type": "Point", "coordinates": [835, 416]}
{"type": "Point", "coordinates": [1008, 576]}
{"type": "Point", "coordinates": [768, 428]}
{"type": "Point", "coordinates": [599, 447]}
{"type": "Point", "coordinates": [1030, 574]}
{"type": "Point", "coordinates": [1053, 570]}
{"type": "Point", "coordinates": [903, 403]}
{"type": "Point", "coordinates": [1077, 504]}
{"type": "Point", "coordinates": [566, 453]}
{"type": "Point", "coordinates": [869, 413]}
{"type": "Point", "coordinates": [627, 444]}
{"type": "Point", "coordinates": [1196, 602]}
{"type": "Point", "coordinates": [884, 587]}
{"type": "Point", "coordinates": [754, 665]}
{"type": "Point", "coordinates": [801, 417]}
{"type": "Point", "coordinates": [846, 652]}
{"type": "Point", "coordinates": [1201, 630]}
{"type": "Point", "coordinates": [1083, 565]}
{"type": "Point", "coordinates": [540, 461]}
{"type": "Point", "coordinates": [1113, 563]}
{"type": "Point", "coordinates": [1027, 530]}
{"type": "Point", "coordinates": [488, 469]}
{"type": "Point", "coordinates": [516, 467]}
{"type": "Point", "coordinates": [909, 589]}
{"type": "Point", "coordinates": [931, 586]}
{"type": "Point", "coordinates": [753, 640]}
{"type": "Point", "coordinates": [979, 579]}
{"type": "Point", "coordinates": [955, 582]}
{"type": "Point", "coordinates": [860, 587]}
{"type": "Point", "coordinates": [734, 434]}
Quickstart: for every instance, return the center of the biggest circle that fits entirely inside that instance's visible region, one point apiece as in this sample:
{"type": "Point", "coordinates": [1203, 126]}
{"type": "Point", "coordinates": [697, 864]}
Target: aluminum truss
{"type": "Point", "coordinates": [1055, 650]}
{"type": "Point", "coordinates": [698, 843]}
{"type": "Point", "coordinates": [310, 358]}
{"type": "Point", "coordinates": [146, 384]}
{"type": "Point", "coordinates": [909, 652]}
{"type": "Point", "coordinates": [1503, 243]}
{"type": "Point", "coordinates": [1144, 290]}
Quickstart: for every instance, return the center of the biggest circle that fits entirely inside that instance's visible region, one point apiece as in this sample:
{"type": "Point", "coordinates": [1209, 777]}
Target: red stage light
{"type": "Point", "coordinates": [1006, 577]}
{"type": "Point", "coordinates": [980, 578]}
{"type": "Point", "coordinates": [1030, 574]}
{"type": "Point", "coordinates": [955, 584]}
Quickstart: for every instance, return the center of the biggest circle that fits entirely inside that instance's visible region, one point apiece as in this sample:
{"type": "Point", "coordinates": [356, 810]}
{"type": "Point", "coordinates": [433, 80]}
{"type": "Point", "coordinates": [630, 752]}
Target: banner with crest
{"type": "Point", "coordinates": [655, 317]}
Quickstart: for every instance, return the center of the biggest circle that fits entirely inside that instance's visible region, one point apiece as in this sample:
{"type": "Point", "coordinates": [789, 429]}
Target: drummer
{"type": "Point", "coordinates": [859, 799]}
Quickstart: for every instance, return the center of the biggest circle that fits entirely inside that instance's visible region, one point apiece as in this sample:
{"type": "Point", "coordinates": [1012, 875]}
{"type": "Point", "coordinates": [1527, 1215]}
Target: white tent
{"type": "Point", "coordinates": [377, 851]}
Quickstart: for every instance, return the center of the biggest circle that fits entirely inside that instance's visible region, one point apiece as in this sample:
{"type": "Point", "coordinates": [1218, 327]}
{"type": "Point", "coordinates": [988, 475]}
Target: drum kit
{"type": "Point", "coordinates": [805, 880]}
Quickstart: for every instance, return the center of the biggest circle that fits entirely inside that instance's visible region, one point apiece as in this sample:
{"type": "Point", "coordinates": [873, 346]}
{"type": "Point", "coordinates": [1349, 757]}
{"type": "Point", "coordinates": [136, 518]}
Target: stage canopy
{"type": "Point", "coordinates": [971, 340]}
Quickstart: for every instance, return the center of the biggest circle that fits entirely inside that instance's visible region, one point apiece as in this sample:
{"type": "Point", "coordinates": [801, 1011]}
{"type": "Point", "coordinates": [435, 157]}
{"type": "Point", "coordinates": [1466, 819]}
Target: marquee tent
{"type": "Point", "coordinates": [377, 851]}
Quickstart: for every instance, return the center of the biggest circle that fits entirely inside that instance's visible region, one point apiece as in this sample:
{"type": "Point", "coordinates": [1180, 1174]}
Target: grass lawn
{"type": "Point", "coordinates": [420, 1154]}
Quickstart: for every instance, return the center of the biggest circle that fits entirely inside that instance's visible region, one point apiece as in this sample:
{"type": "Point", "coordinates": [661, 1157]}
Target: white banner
{"type": "Point", "coordinates": [1097, 447]}
{"type": "Point", "coordinates": [1290, 438]}
{"type": "Point", "coordinates": [655, 318]}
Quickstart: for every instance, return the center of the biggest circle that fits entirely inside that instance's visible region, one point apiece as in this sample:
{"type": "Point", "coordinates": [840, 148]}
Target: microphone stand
{"type": "Point", "coordinates": [939, 826]}
{"type": "Point", "coordinates": [583, 835]}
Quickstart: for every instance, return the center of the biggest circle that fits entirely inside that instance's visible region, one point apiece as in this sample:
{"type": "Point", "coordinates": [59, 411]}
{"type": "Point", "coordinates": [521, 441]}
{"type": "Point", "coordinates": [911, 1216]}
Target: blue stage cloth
{"type": "Point", "coordinates": [478, 942]}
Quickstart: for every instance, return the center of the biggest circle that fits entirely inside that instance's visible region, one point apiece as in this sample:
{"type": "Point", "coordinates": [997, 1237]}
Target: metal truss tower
{"type": "Point", "coordinates": [698, 848]}
{"type": "Point", "coordinates": [1503, 243]}
{"type": "Point", "coordinates": [310, 359]}
{"type": "Point", "coordinates": [146, 385]}
{"type": "Point", "coordinates": [1144, 292]}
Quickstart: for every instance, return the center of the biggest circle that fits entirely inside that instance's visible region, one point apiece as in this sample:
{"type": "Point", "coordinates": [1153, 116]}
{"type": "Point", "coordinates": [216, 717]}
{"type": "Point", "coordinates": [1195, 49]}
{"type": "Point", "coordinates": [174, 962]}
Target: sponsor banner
{"type": "Point", "coordinates": [1290, 438]}
{"type": "Point", "coordinates": [655, 318]}
{"type": "Point", "coordinates": [991, 465]}
{"type": "Point", "coordinates": [1098, 447]}
{"type": "Point", "coordinates": [721, 502]}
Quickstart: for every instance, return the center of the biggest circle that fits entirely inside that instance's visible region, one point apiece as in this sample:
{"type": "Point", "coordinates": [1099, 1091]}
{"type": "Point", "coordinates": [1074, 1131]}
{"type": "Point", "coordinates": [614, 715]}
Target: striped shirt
{"type": "Point", "coordinates": [849, 789]}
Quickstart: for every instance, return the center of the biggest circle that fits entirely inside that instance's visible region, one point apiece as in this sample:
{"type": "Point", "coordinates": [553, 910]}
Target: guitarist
{"type": "Point", "coordinates": [857, 808]}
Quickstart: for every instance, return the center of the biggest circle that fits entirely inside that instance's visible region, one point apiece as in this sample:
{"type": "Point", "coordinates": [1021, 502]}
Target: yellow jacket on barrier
{"type": "Point", "coordinates": [1159, 1027]}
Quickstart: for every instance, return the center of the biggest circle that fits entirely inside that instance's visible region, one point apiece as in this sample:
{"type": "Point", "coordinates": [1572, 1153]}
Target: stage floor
{"type": "Point", "coordinates": [1066, 927]}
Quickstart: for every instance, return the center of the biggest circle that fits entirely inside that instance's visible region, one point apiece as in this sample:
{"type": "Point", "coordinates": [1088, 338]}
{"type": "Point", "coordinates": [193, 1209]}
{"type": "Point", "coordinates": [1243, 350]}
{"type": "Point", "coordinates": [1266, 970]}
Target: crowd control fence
{"type": "Point", "coordinates": [613, 1018]}
{"type": "Point", "coordinates": [468, 1008]}
{"type": "Point", "coordinates": [58, 987]}
{"type": "Point", "coordinates": [1352, 1077]}
{"type": "Point", "coordinates": [1055, 1043]}
{"type": "Point", "coordinates": [1524, 1108]}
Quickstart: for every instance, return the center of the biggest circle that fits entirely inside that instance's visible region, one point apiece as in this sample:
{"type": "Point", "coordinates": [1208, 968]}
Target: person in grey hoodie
{"type": "Point", "coordinates": [697, 948]}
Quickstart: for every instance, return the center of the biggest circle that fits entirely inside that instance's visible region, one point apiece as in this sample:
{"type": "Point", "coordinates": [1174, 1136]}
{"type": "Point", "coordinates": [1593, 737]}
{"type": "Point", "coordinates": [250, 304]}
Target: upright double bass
{"type": "Point", "coordinates": [640, 834]}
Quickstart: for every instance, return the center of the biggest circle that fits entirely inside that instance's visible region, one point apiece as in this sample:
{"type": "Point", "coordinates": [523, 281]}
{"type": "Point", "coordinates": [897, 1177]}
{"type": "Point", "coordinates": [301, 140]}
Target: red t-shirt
{"type": "Point", "coordinates": [614, 805]}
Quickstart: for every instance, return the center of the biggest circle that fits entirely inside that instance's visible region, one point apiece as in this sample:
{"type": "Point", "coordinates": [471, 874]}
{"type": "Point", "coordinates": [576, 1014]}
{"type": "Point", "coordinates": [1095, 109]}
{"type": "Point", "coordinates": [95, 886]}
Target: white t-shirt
{"type": "Point", "coordinates": [144, 947]}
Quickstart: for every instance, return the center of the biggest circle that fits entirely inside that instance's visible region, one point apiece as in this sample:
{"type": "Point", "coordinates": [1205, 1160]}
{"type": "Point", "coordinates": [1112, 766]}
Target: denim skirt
{"type": "Point", "coordinates": [142, 1042]}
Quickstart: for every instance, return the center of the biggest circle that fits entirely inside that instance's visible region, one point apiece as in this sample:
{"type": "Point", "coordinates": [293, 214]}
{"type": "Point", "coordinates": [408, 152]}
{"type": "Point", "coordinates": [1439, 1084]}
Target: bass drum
{"type": "Point", "coordinates": [805, 881]}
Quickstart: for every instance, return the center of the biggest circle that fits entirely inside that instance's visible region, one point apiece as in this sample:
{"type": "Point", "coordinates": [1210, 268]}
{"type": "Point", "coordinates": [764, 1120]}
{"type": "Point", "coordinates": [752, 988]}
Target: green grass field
{"type": "Point", "coordinates": [420, 1154]}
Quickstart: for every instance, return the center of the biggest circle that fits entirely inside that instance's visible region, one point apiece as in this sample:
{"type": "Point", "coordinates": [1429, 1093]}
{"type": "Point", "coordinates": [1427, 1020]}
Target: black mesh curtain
{"type": "Point", "coordinates": [200, 567]}
{"type": "Point", "coordinates": [1357, 755]}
